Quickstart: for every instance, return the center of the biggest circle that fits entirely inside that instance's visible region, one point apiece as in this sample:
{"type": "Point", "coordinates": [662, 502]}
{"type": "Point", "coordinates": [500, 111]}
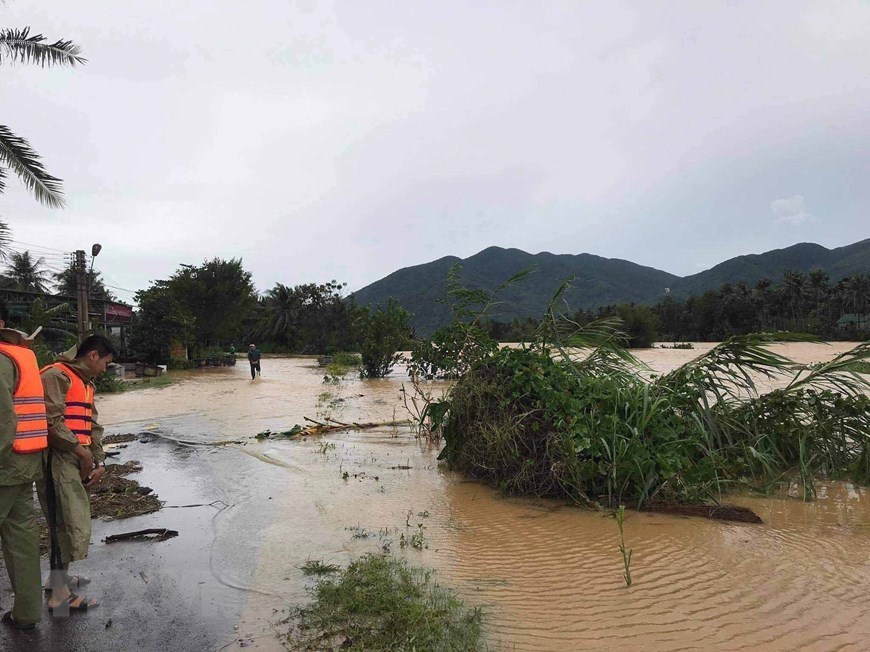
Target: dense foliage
{"type": "Point", "coordinates": [383, 333]}
{"type": "Point", "coordinates": [807, 304]}
{"type": "Point", "coordinates": [574, 414]}
{"type": "Point", "coordinates": [307, 318]}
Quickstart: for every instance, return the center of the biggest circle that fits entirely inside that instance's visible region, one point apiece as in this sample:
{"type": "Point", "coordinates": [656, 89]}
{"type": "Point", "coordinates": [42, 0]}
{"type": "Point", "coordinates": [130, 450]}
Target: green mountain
{"type": "Point", "coordinates": [598, 281]}
{"type": "Point", "coordinates": [803, 257]}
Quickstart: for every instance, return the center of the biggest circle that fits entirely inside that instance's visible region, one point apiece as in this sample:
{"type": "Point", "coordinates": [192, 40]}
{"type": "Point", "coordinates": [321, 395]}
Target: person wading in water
{"type": "Point", "coordinates": [254, 359]}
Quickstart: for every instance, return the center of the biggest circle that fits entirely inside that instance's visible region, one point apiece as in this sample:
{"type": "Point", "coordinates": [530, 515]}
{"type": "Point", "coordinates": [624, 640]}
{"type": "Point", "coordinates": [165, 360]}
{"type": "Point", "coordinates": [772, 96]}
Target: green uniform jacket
{"type": "Point", "coordinates": [15, 468]}
{"type": "Point", "coordinates": [73, 508]}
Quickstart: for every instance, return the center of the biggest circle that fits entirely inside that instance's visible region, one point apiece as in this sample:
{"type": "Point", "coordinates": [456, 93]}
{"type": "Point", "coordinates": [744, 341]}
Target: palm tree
{"type": "Point", "coordinates": [793, 287]}
{"type": "Point", "coordinates": [857, 294]}
{"type": "Point", "coordinates": [50, 320]}
{"type": "Point", "coordinates": [5, 240]}
{"type": "Point", "coordinates": [280, 313]}
{"type": "Point", "coordinates": [819, 285]}
{"type": "Point", "coordinates": [66, 284]}
{"type": "Point", "coordinates": [16, 154]}
{"type": "Point", "coordinates": [762, 294]}
{"type": "Point", "coordinates": [26, 274]}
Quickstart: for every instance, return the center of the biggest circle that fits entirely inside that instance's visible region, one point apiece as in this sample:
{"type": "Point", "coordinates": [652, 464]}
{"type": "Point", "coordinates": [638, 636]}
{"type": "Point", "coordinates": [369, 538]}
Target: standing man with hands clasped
{"type": "Point", "coordinates": [73, 463]}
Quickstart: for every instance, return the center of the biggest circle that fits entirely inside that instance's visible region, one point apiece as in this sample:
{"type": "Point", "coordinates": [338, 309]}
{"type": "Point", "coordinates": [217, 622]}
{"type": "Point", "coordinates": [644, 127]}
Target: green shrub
{"type": "Point", "coordinates": [181, 363]}
{"type": "Point", "coordinates": [107, 383]}
{"type": "Point", "coordinates": [344, 359]}
{"type": "Point", "coordinates": [380, 603]}
{"type": "Point", "coordinates": [384, 333]}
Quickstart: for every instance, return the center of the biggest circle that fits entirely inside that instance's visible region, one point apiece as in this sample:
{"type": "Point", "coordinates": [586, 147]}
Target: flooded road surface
{"type": "Point", "coordinates": [549, 574]}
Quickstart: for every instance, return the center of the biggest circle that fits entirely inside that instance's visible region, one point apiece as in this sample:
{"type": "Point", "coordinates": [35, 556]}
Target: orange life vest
{"type": "Point", "coordinates": [31, 435]}
{"type": "Point", "coordinates": [79, 404]}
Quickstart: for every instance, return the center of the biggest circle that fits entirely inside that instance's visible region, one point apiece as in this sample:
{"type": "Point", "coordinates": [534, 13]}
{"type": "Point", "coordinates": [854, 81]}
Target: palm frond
{"type": "Point", "coordinates": [837, 375]}
{"type": "Point", "coordinates": [5, 231]}
{"type": "Point", "coordinates": [16, 153]}
{"type": "Point", "coordinates": [597, 348]}
{"type": "Point", "coordinates": [17, 45]}
{"type": "Point", "coordinates": [725, 370]}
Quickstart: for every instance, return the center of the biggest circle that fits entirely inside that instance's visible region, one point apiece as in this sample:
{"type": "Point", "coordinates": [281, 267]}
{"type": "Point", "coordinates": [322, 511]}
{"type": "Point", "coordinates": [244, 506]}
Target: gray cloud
{"type": "Point", "coordinates": [390, 134]}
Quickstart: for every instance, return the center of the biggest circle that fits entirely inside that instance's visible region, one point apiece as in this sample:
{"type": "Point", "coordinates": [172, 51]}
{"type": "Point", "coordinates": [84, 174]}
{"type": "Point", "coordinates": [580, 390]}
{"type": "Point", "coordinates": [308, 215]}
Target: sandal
{"type": "Point", "coordinates": [9, 620]}
{"type": "Point", "coordinates": [67, 605]}
{"type": "Point", "coordinates": [75, 582]}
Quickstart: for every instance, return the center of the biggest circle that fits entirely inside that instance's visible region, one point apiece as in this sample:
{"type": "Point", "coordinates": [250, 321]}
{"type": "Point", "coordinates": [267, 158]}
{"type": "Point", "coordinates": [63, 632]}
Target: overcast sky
{"type": "Point", "coordinates": [321, 140]}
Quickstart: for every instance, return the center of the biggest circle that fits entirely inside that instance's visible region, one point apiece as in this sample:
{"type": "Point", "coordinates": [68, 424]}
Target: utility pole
{"type": "Point", "coordinates": [82, 293]}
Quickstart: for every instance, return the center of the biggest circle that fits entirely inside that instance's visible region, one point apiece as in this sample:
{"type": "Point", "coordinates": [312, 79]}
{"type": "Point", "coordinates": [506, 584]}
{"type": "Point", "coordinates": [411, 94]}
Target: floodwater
{"type": "Point", "coordinates": [548, 574]}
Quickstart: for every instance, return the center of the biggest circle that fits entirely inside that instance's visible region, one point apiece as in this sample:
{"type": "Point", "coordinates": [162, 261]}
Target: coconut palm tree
{"type": "Point", "coordinates": [5, 240]}
{"type": "Point", "coordinates": [16, 154]}
{"type": "Point", "coordinates": [794, 289]}
{"type": "Point", "coordinates": [65, 282]}
{"type": "Point", "coordinates": [857, 294]}
{"type": "Point", "coordinates": [26, 274]}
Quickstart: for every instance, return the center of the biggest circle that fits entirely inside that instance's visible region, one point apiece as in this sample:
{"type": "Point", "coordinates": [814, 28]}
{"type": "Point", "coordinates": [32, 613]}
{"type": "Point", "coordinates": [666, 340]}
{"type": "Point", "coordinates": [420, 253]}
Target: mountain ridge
{"type": "Point", "coordinates": [598, 280]}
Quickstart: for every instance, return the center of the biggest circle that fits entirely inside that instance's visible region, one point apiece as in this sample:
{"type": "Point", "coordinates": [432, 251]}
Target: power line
{"type": "Point", "coordinates": [117, 287]}
{"type": "Point", "coordinates": [130, 292]}
{"type": "Point", "coordinates": [35, 246]}
{"type": "Point", "coordinates": [38, 256]}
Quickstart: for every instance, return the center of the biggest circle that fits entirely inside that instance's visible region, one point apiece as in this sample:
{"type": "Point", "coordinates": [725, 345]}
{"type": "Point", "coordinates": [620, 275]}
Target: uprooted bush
{"type": "Point", "coordinates": [596, 428]}
{"type": "Point", "coordinates": [381, 603]}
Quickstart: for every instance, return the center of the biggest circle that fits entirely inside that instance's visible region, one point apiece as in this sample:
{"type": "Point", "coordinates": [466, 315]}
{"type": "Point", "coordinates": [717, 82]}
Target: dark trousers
{"type": "Point", "coordinates": [255, 369]}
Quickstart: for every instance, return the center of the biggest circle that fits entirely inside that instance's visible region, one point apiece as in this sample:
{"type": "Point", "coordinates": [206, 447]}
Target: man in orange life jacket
{"type": "Point", "coordinates": [23, 437]}
{"type": "Point", "coordinates": [73, 464]}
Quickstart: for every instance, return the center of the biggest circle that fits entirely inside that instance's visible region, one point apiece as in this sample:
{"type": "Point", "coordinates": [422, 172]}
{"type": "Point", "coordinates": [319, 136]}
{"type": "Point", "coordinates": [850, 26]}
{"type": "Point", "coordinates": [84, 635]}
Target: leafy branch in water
{"type": "Point", "coordinates": [626, 556]}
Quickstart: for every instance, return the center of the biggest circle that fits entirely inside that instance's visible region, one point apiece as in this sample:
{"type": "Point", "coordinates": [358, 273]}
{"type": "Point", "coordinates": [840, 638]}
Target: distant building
{"type": "Point", "coordinates": [852, 320]}
{"type": "Point", "coordinates": [111, 317]}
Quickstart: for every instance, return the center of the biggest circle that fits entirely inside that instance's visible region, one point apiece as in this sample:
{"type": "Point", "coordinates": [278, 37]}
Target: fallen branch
{"type": "Point", "coordinates": [161, 535]}
{"type": "Point", "coordinates": [328, 425]}
{"type": "Point", "coordinates": [716, 512]}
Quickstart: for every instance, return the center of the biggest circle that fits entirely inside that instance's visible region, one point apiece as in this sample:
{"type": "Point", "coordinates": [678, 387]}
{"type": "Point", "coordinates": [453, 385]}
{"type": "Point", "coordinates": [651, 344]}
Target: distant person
{"type": "Point", "coordinates": [73, 464]}
{"type": "Point", "coordinates": [232, 349]}
{"type": "Point", "coordinates": [23, 438]}
{"type": "Point", "coordinates": [254, 359]}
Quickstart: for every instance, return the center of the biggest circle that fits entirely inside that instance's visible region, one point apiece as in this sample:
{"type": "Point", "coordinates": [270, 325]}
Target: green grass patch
{"type": "Point", "coordinates": [381, 603]}
{"type": "Point", "coordinates": [317, 567]}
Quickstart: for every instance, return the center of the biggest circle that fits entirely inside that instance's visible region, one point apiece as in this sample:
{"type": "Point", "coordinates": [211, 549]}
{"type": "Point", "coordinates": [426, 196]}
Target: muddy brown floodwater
{"type": "Point", "coordinates": [549, 574]}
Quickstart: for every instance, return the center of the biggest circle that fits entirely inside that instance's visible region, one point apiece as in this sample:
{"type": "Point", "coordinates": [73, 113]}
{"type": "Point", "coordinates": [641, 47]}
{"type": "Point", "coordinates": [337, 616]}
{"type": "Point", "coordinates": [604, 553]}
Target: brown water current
{"type": "Point", "coordinates": [549, 574]}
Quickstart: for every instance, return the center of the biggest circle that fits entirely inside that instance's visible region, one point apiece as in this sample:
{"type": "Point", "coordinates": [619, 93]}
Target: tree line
{"type": "Point", "coordinates": [205, 309]}
{"type": "Point", "coordinates": [806, 303]}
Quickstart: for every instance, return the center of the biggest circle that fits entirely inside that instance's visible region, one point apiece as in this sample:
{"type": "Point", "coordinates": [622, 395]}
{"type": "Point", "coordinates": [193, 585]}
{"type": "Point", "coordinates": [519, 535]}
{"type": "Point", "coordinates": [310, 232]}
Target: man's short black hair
{"type": "Point", "coordinates": [97, 343]}
{"type": "Point", "coordinates": [4, 312]}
